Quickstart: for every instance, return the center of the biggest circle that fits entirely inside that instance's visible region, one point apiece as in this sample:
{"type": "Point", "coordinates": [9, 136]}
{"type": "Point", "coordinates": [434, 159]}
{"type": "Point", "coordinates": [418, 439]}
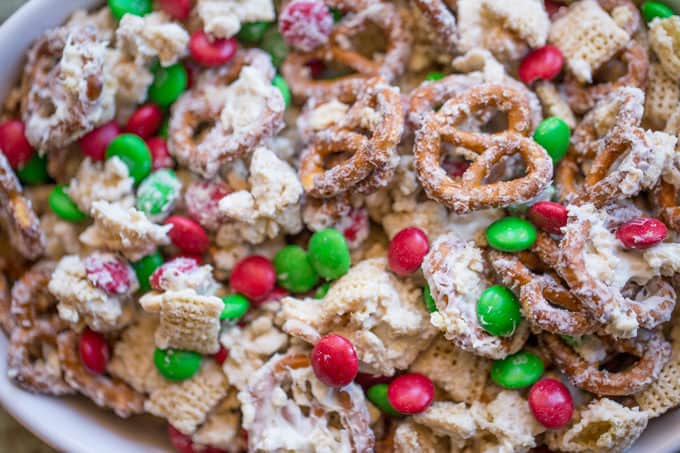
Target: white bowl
{"type": "Point", "coordinates": [75, 425]}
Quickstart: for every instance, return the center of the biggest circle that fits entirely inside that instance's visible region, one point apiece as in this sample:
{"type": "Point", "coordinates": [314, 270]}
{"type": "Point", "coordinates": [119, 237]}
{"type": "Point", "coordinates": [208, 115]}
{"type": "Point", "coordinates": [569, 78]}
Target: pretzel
{"type": "Point", "coordinates": [669, 207]}
{"type": "Point", "coordinates": [439, 14]}
{"type": "Point", "coordinates": [16, 212]}
{"type": "Point", "coordinates": [103, 390]}
{"type": "Point", "coordinates": [358, 14]}
{"type": "Point", "coordinates": [469, 193]}
{"type": "Point", "coordinates": [239, 113]}
{"type": "Point", "coordinates": [337, 417]}
{"type": "Point", "coordinates": [65, 100]}
{"type": "Point", "coordinates": [650, 347]}
{"type": "Point", "coordinates": [31, 299]}
{"type": "Point", "coordinates": [6, 321]}
{"type": "Point", "coordinates": [546, 303]}
{"type": "Point", "coordinates": [376, 109]}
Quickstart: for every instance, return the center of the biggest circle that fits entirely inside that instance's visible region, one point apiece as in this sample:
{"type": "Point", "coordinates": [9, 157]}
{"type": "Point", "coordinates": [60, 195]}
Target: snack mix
{"type": "Point", "coordinates": [350, 225]}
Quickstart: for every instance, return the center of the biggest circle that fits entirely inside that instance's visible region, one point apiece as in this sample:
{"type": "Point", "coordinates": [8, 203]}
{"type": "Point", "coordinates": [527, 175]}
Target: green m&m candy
{"type": "Point", "coordinates": [145, 267]}
{"type": "Point", "coordinates": [62, 205]}
{"type": "Point", "coordinates": [235, 306]}
{"type": "Point", "coordinates": [652, 10]}
{"type": "Point", "coordinates": [511, 234]}
{"type": "Point", "coordinates": [34, 171]}
{"type": "Point", "coordinates": [553, 134]}
{"type": "Point", "coordinates": [175, 364]}
{"type": "Point", "coordinates": [252, 32]}
{"type": "Point", "coordinates": [119, 8]}
{"type": "Point", "coordinates": [377, 394]}
{"type": "Point", "coordinates": [517, 371]}
{"type": "Point", "coordinates": [134, 153]}
{"type": "Point", "coordinates": [293, 270]}
{"type": "Point", "coordinates": [322, 290]}
{"type": "Point", "coordinates": [498, 311]}
{"type": "Point", "coordinates": [429, 300]}
{"type": "Point", "coordinates": [329, 254]}
{"type": "Point", "coordinates": [273, 43]}
{"type": "Point", "coordinates": [158, 193]}
{"type": "Point", "coordinates": [168, 84]}
{"type": "Point", "coordinates": [280, 83]}
{"type": "Point", "coordinates": [165, 128]}
{"type": "Point", "coordinates": [433, 76]}
{"type": "Point", "coordinates": [337, 15]}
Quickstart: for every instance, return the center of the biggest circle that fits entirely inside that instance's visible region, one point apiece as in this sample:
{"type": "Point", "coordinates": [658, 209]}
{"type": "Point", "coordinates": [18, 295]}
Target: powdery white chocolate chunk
{"type": "Point", "coordinates": [526, 18]}
{"type": "Point", "coordinates": [223, 18]}
{"type": "Point", "coordinates": [101, 181]}
{"type": "Point", "coordinates": [152, 36]}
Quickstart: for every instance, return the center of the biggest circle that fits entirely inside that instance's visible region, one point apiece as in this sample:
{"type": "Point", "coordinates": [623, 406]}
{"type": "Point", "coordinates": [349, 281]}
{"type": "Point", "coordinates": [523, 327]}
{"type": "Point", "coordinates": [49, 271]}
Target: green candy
{"type": "Point", "coordinates": [274, 44]}
{"type": "Point", "coordinates": [322, 290]}
{"type": "Point", "coordinates": [134, 153]}
{"type": "Point", "coordinates": [377, 394]}
{"type": "Point", "coordinates": [429, 300]}
{"type": "Point", "coordinates": [517, 371]}
{"type": "Point", "coordinates": [435, 75]}
{"type": "Point", "coordinates": [293, 270]}
{"type": "Point", "coordinates": [165, 127]}
{"type": "Point", "coordinates": [145, 267]}
{"type": "Point", "coordinates": [337, 15]}
{"type": "Point", "coordinates": [34, 172]}
{"type": "Point", "coordinates": [498, 311]}
{"type": "Point", "coordinates": [252, 32]}
{"type": "Point", "coordinates": [119, 8]}
{"type": "Point", "coordinates": [235, 306]}
{"type": "Point", "coordinates": [521, 208]}
{"type": "Point", "coordinates": [158, 193]}
{"type": "Point", "coordinates": [511, 234]}
{"type": "Point", "coordinates": [62, 205]}
{"type": "Point", "coordinates": [328, 253]}
{"type": "Point", "coordinates": [280, 83]}
{"type": "Point", "coordinates": [652, 10]}
{"type": "Point", "coordinates": [553, 134]}
{"type": "Point", "coordinates": [572, 341]}
{"type": "Point", "coordinates": [175, 364]}
{"type": "Point", "coordinates": [168, 84]}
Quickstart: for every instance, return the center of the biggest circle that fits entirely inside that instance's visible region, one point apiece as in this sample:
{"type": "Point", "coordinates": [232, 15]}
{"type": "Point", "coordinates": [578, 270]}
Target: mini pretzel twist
{"type": "Point", "coordinates": [30, 298]}
{"type": "Point", "coordinates": [370, 131]}
{"type": "Point", "coordinates": [358, 14]}
{"type": "Point", "coordinates": [650, 347]}
{"type": "Point", "coordinates": [471, 192]}
{"type": "Point", "coordinates": [439, 14]}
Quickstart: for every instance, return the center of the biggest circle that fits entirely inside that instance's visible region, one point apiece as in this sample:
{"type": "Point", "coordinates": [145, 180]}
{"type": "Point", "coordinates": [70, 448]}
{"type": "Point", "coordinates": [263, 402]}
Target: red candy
{"type": "Point", "coordinates": [552, 7]}
{"type": "Point", "coordinates": [160, 157]}
{"type": "Point", "coordinates": [193, 71]}
{"type": "Point", "coordinates": [254, 277]}
{"type": "Point", "coordinates": [306, 24]}
{"type": "Point", "coordinates": [455, 168]}
{"type": "Point", "coordinates": [145, 121]}
{"type": "Point", "coordinates": [170, 270]}
{"type": "Point", "coordinates": [355, 226]}
{"type": "Point", "coordinates": [177, 9]}
{"type": "Point", "coordinates": [548, 216]}
{"type": "Point", "coordinates": [211, 52]}
{"type": "Point", "coordinates": [181, 442]}
{"type": "Point", "coordinates": [642, 233]}
{"type": "Point", "coordinates": [202, 200]}
{"type": "Point", "coordinates": [110, 273]}
{"type": "Point", "coordinates": [551, 403]}
{"type": "Point", "coordinates": [13, 143]}
{"type": "Point", "coordinates": [94, 351]}
{"type": "Point", "coordinates": [221, 355]}
{"type": "Point", "coordinates": [544, 63]}
{"type": "Point", "coordinates": [407, 250]}
{"type": "Point", "coordinates": [335, 361]}
{"type": "Point", "coordinates": [94, 143]}
{"type": "Point", "coordinates": [316, 68]}
{"type": "Point", "coordinates": [367, 381]}
{"type": "Point", "coordinates": [410, 393]}
{"type": "Point", "coordinates": [187, 234]}
{"type": "Point", "coordinates": [277, 294]}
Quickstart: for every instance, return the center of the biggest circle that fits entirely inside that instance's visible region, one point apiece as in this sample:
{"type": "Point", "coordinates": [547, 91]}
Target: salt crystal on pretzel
{"type": "Point", "coordinates": [152, 36]}
{"type": "Point", "coordinates": [270, 206]}
{"type": "Point", "coordinates": [132, 355]}
{"type": "Point", "coordinates": [286, 407]}
{"type": "Point", "coordinates": [106, 181]}
{"type": "Point", "coordinates": [663, 38]}
{"type": "Point", "coordinates": [69, 90]}
{"type": "Point", "coordinates": [662, 96]}
{"type": "Point", "coordinates": [222, 428]}
{"type": "Point", "coordinates": [455, 271]}
{"type": "Point", "coordinates": [526, 18]}
{"type": "Point", "coordinates": [103, 390]}
{"type": "Point", "coordinates": [601, 427]}
{"type": "Point", "coordinates": [553, 103]}
{"type": "Point", "coordinates": [188, 320]}
{"type": "Point", "coordinates": [124, 230]}
{"type": "Point", "coordinates": [80, 301]}
{"type": "Point", "coordinates": [588, 37]}
{"type": "Point", "coordinates": [442, 360]}
{"type": "Point", "coordinates": [251, 346]}
{"type": "Point", "coordinates": [223, 18]}
{"type": "Point", "coordinates": [381, 315]}
{"type": "Point", "coordinates": [187, 404]}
